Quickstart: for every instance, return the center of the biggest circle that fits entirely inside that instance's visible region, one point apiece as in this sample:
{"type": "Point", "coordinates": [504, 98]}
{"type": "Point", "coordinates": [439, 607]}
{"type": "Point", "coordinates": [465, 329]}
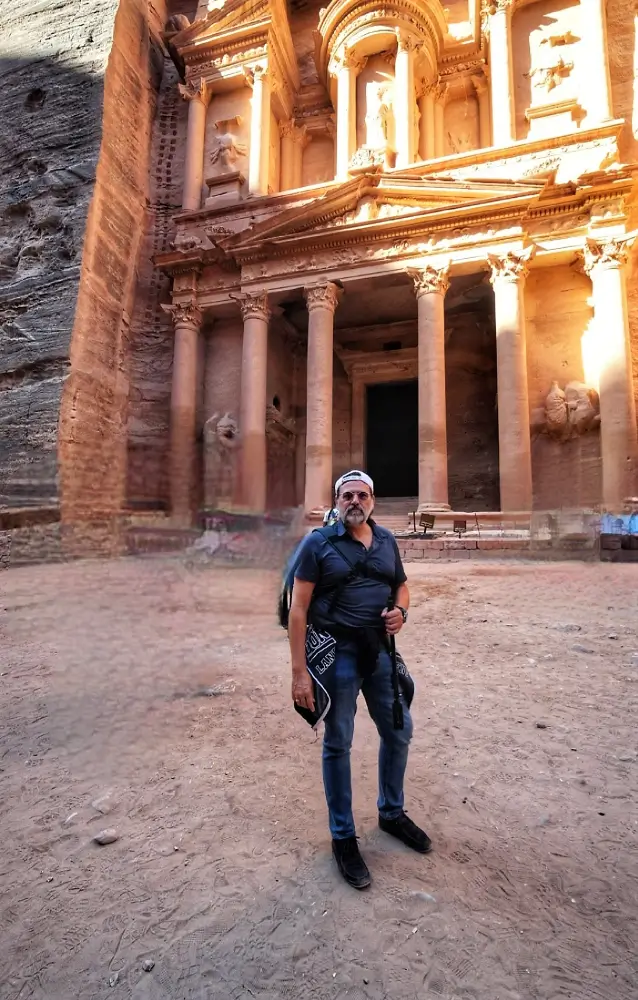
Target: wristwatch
{"type": "Point", "coordinates": [404, 613]}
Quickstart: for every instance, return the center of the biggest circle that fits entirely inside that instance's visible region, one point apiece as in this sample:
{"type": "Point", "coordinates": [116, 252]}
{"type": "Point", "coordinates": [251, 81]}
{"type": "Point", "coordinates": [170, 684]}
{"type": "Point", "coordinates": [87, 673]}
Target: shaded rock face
{"type": "Point", "coordinates": [76, 105]}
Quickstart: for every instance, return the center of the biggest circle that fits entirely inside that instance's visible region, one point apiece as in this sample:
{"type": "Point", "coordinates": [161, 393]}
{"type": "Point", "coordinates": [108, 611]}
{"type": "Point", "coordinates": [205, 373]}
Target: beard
{"type": "Point", "coordinates": [354, 515]}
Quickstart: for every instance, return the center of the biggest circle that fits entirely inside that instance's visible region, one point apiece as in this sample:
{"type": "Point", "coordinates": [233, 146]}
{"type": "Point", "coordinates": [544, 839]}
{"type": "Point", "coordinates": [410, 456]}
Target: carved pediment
{"type": "Point", "coordinates": [374, 200]}
{"type": "Point", "coordinates": [232, 16]}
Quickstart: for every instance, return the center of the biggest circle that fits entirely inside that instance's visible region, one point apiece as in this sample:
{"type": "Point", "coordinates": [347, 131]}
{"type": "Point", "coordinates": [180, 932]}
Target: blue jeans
{"type": "Point", "coordinates": [337, 740]}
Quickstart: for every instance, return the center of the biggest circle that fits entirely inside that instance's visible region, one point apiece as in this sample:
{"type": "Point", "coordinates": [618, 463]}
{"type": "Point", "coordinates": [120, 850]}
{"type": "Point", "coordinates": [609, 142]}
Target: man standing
{"type": "Point", "coordinates": [346, 580]}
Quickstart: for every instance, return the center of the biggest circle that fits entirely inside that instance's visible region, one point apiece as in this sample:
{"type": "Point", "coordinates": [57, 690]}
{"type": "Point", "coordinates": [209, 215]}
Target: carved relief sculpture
{"type": "Point", "coordinates": [567, 413]}
{"type": "Point", "coordinates": [221, 440]}
{"type": "Point", "coordinates": [549, 76]}
{"type": "Point", "coordinates": [227, 148]}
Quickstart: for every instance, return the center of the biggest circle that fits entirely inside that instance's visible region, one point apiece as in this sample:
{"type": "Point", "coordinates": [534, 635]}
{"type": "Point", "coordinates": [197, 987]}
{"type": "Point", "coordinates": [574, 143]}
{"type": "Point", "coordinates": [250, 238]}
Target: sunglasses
{"type": "Point", "coordinates": [351, 496]}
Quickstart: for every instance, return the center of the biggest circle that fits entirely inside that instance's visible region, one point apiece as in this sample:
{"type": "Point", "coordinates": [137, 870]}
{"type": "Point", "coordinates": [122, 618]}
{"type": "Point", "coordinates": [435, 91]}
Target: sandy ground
{"type": "Point", "coordinates": [222, 873]}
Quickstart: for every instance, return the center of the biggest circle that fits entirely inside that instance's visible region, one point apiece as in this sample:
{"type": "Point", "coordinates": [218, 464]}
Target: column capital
{"type": "Point", "coordinates": [405, 41]}
{"type": "Point", "coordinates": [426, 88]}
{"type": "Point", "coordinates": [195, 90]}
{"type": "Point", "coordinates": [491, 7]}
{"type": "Point", "coordinates": [346, 59]}
{"type": "Point", "coordinates": [604, 254]}
{"type": "Point", "coordinates": [480, 83]}
{"type": "Point", "coordinates": [322, 296]}
{"type": "Point", "coordinates": [290, 130]}
{"type": "Point", "coordinates": [287, 129]}
{"type": "Point", "coordinates": [510, 266]}
{"type": "Point", "coordinates": [258, 73]}
{"type": "Point", "coordinates": [440, 92]}
{"type": "Point", "coordinates": [253, 305]}
{"type": "Point", "coordinates": [430, 279]}
{"type": "Point", "coordinates": [184, 313]}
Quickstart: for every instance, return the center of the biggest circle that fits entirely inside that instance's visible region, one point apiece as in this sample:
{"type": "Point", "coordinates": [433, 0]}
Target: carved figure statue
{"type": "Point", "coordinates": [555, 411]}
{"type": "Point", "coordinates": [226, 150]}
{"type": "Point", "coordinates": [567, 413]}
{"type": "Point", "coordinates": [187, 241]}
{"type": "Point", "coordinates": [549, 76]}
{"type": "Point", "coordinates": [221, 438]}
{"type": "Point", "coordinates": [583, 407]}
{"type": "Point", "coordinates": [377, 116]}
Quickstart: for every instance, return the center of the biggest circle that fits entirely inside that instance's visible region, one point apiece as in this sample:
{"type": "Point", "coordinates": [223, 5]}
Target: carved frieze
{"type": "Point", "coordinates": [366, 157]}
{"type": "Point", "coordinates": [607, 209]}
{"type": "Point", "coordinates": [551, 224]}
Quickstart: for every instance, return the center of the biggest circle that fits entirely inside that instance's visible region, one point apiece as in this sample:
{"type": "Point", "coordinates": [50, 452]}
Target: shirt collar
{"type": "Point", "coordinates": [342, 530]}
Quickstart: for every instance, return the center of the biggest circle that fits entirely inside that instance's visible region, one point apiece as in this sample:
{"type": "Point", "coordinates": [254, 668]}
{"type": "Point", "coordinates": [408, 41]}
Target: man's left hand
{"type": "Point", "coordinates": [393, 620]}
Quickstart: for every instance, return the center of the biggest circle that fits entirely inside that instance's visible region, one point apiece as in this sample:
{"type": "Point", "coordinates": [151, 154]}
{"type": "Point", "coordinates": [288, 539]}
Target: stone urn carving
{"type": "Point", "coordinates": [221, 440]}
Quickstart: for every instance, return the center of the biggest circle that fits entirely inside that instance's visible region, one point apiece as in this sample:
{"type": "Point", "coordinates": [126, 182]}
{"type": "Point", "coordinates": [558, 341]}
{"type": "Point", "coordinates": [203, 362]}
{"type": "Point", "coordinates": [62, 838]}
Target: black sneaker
{"type": "Point", "coordinates": [350, 863]}
{"type": "Point", "coordinates": [404, 829]}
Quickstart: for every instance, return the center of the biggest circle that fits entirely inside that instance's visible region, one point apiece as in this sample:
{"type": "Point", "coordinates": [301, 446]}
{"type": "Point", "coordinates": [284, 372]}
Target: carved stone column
{"type": "Point", "coordinates": [508, 273]}
{"type": "Point", "coordinates": [322, 302]}
{"type": "Point", "coordinates": [300, 140]}
{"type": "Point", "coordinates": [605, 265]}
{"type": "Point", "coordinates": [404, 99]}
{"type": "Point", "coordinates": [499, 20]}
{"type": "Point", "coordinates": [430, 285]}
{"type": "Point", "coordinates": [259, 132]}
{"type": "Point", "coordinates": [346, 69]}
{"type": "Point", "coordinates": [426, 134]}
{"type": "Point", "coordinates": [287, 131]}
{"type": "Point", "coordinates": [198, 95]}
{"type": "Point", "coordinates": [252, 409]}
{"type": "Point", "coordinates": [440, 97]}
{"type": "Point", "coordinates": [596, 82]}
{"type": "Point", "coordinates": [483, 97]}
{"type": "Point", "coordinates": [292, 143]}
{"type": "Point", "coordinates": [187, 322]}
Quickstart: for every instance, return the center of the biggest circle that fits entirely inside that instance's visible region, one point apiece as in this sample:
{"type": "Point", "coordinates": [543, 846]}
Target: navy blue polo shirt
{"type": "Point", "coordinates": [363, 599]}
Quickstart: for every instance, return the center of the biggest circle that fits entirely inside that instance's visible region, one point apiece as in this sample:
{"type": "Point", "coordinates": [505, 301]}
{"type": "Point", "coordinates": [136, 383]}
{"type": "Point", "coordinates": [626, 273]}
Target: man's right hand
{"type": "Point", "coordinates": [302, 693]}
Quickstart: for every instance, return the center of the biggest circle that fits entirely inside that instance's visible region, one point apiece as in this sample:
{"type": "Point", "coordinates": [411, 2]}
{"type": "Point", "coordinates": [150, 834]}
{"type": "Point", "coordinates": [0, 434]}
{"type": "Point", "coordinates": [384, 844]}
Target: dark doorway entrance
{"type": "Point", "coordinates": [392, 449]}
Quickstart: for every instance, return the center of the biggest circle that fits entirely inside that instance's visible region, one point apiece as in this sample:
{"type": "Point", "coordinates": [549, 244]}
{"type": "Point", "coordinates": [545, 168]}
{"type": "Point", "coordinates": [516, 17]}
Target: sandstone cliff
{"type": "Point", "coordinates": [77, 99]}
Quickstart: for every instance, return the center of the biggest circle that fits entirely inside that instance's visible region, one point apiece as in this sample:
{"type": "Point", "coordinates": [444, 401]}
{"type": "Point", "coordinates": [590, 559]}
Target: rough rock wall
{"type": "Point", "coordinates": [75, 108]}
{"type": "Point", "coordinates": [93, 419]}
{"type": "Point", "coordinates": [622, 39]}
{"type": "Point", "coordinates": [151, 332]}
{"type": "Point", "coordinates": [52, 64]}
